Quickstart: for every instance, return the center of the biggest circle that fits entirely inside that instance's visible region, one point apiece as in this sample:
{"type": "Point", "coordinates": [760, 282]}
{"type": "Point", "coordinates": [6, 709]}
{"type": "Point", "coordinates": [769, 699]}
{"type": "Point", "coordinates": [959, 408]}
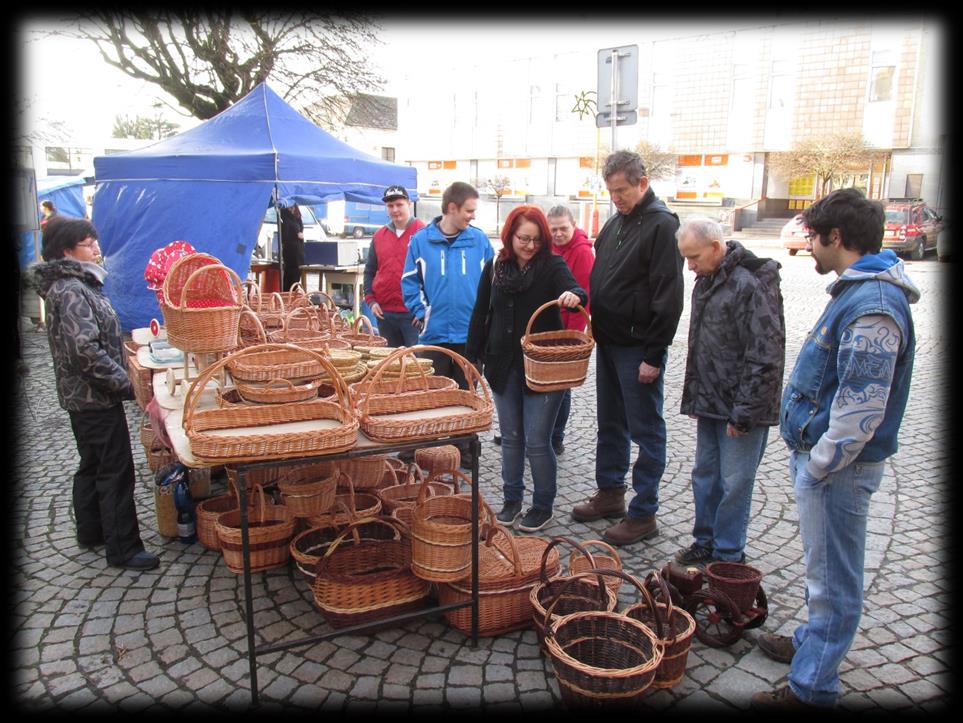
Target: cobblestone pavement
{"type": "Point", "coordinates": [89, 637]}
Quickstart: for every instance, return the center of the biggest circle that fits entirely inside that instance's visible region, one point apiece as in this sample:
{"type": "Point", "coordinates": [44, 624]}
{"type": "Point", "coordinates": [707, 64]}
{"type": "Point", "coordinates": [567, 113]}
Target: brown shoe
{"type": "Point", "coordinates": [777, 647]}
{"type": "Point", "coordinates": [629, 530]}
{"type": "Point", "coordinates": [781, 699]}
{"type": "Point", "coordinates": [608, 502]}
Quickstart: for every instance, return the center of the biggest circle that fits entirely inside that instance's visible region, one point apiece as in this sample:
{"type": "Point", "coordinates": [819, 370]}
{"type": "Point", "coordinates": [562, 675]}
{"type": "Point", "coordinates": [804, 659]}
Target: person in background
{"type": "Point", "coordinates": [637, 299]}
{"type": "Point", "coordinates": [733, 381]}
{"type": "Point", "coordinates": [440, 280]}
{"type": "Point", "coordinates": [573, 245]}
{"type": "Point", "coordinates": [382, 270]}
{"type": "Point", "coordinates": [292, 245]}
{"type": "Point", "coordinates": [524, 275]}
{"type": "Point", "coordinates": [47, 212]}
{"type": "Point", "coordinates": [840, 417]}
{"type": "Point", "coordinates": [92, 383]}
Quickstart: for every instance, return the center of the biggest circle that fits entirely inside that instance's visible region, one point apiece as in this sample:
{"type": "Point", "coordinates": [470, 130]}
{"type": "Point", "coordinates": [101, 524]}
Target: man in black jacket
{"type": "Point", "coordinates": [637, 297]}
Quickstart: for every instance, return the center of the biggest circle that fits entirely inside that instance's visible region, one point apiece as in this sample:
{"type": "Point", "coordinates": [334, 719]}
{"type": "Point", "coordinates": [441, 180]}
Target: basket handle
{"type": "Point", "coordinates": [595, 543]}
{"type": "Point", "coordinates": [276, 303]}
{"type": "Point", "coordinates": [655, 577]}
{"type": "Point", "coordinates": [495, 529]}
{"type": "Point", "coordinates": [252, 292]}
{"type": "Point", "coordinates": [399, 527]}
{"type": "Point", "coordinates": [313, 323]}
{"type": "Point", "coordinates": [359, 322]}
{"type": "Point", "coordinates": [543, 572]}
{"type": "Point", "coordinates": [329, 303]}
{"type": "Point", "coordinates": [613, 573]}
{"type": "Point", "coordinates": [231, 277]}
{"type": "Point", "coordinates": [197, 386]}
{"type": "Point", "coordinates": [470, 372]}
{"type": "Point", "coordinates": [296, 289]}
{"type": "Point", "coordinates": [554, 302]}
{"type": "Point", "coordinates": [457, 477]}
{"type": "Point", "coordinates": [258, 326]}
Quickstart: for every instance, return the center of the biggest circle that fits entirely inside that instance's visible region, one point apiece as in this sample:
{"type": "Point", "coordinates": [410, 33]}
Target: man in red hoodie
{"type": "Point", "coordinates": [573, 245]}
{"type": "Point", "coordinates": [382, 271]}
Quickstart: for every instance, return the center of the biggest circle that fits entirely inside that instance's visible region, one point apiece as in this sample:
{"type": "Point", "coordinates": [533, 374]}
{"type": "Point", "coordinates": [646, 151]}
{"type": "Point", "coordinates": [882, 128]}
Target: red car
{"type": "Point", "coordinates": [911, 227]}
{"type": "Point", "coordinates": [793, 234]}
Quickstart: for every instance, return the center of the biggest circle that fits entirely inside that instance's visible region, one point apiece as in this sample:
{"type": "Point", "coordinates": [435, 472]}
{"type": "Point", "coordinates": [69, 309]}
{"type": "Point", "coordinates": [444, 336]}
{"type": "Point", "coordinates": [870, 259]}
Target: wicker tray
{"type": "Point", "coordinates": [379, 414]}
{"type": "Point", "coordinates": [256, 432]}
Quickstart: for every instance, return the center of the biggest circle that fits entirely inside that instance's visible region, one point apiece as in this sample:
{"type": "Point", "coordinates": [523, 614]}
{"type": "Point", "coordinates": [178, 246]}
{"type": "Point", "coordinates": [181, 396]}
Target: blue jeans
{"type": "Point", "coordinates": [397, 329]}
{"type": "Point", "coordinates": [558, 433]}
{"type": "Point", "coordinates": [629, 411]}
{"type": "Point", "coordinates": [832, 523]}
{"type": "Point", "coordinates": [526, 420]}
{"type": "Point", "coordinates": [722, 479]}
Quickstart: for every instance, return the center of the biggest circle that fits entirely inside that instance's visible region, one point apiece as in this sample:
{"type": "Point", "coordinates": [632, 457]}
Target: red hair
{"type": "Point", "coordinates": [516, 217]}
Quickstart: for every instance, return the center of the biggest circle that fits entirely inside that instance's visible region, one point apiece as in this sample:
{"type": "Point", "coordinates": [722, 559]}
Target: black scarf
{"type": "Point", "coordinates": [512, 280]}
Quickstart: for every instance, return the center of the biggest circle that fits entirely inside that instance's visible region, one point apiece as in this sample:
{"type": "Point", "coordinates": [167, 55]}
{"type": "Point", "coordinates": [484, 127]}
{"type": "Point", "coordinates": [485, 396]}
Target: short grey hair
{"type": "Point", "coordinates": [556, 211]}
{"type": "Point", "coordinates": [625, 162]}
{"type": "Point", "coordinates": [704, 228]}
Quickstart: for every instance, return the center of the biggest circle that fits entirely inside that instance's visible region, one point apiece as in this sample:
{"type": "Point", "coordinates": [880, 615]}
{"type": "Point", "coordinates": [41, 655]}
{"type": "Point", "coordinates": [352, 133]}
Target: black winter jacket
{"type": "Point", "coordinates": [499, 345]}
{"type": "Point", "coordinates": [737, 342]}
{"type": "Point", "coordinates": [637, 284]}
{"type": "Point", "coordinates": [84, 335]}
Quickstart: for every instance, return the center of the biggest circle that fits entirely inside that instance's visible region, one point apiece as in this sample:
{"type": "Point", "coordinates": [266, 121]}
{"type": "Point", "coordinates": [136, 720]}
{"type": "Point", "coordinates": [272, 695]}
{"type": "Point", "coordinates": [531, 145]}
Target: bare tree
{"type": "Point", "coordinates": [143, 128]}
{"type": "Point", "coordinates": [498, 186]}
{"type": "Point", "coordinates": [659, 164]}
{"type": "Point", "coordinates": [206, 60]}
{"type": "Point", "coordinates": [828, 157]}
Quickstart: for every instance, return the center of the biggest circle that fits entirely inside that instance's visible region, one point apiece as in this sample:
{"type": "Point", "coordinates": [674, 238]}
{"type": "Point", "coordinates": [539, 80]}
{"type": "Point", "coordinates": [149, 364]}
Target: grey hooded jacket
{"type": "Point", "coordinates": [737, 342]}
{"type": "Point", "coordinates": [84, 335]}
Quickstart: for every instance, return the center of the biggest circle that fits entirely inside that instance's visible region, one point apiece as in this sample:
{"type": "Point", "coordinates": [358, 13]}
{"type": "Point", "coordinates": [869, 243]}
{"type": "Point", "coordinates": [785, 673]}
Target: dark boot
{"type": "Point", "coordinates": [608, 502]}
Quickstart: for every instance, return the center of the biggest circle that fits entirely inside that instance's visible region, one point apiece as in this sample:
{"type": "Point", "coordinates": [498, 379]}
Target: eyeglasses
{"type": "Point", "coordinates": [88, 243]}
{"type": "Point", "coordinates": [528, 240]}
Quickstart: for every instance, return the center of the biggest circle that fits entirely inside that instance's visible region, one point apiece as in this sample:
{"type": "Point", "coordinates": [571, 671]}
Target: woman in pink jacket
{"type": "Point", "coordinates": [573, 245]}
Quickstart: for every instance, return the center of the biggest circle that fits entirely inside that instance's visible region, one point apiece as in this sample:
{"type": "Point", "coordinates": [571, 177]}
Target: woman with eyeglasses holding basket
{"type": "Point", "coordinates": [524, 275]}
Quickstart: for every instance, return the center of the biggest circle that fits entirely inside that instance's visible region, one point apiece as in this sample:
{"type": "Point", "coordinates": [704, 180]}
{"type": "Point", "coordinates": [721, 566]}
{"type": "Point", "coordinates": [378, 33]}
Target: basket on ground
{"type": "Point", "coordinates": [608, 558]}
{"type": "Point", "coordinates": [349, 506]}
{"type": "Point", "coordinates": [364, 581]}
{"type": "Point", "coordinates": [603, 659]}
{"type": "Point", "coordinates": [441, 532]}
{"type": "Point", "coordinates": [736, 579]}
{"type": "Point", "coordinates": [308, 496]}
{"type": "Point", "coordinates": [555, 360]}
{"type": "Point", "coordinates": [270, 529]}
{"type": "Point", "coordinates": [411, 488]}
{"type": "Point", "coordinates": [309, 545]}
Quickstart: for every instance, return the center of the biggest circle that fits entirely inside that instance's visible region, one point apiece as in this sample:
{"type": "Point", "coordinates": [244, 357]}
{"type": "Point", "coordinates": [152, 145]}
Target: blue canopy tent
{"type": "Point", "coordinates": [66, 194]}
{"type": "Point", "coordinates": [211, 185]}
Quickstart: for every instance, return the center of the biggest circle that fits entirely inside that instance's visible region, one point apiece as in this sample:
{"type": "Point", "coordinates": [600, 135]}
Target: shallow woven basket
{"type": "Point", "coordinates": [678, 628]}
{"type": "Point", "coordinates": [399, 385]}
{"type": "Point", "coordinates": [603, 658]}
{"type": "Point", "coordinates": [368, 580]}
{"type": "Point", "coordinates": [556, 360]}
{"type": "Point", "coordinates": [302, 324]}
{"type": "Point", "coordinates": [202, 313]}
{"type": "Point", "coordinates": [569, 597]}
{"type": "Point", "coordinates": [270, 529]}
{"type": "Point", "coordinates": [508, 569]}
{"type": "Point", "coordinates": [267, 362]}
{"type": "Point", "coordinates": [280, 391]}
{"type": "Point", "coordinates": [737, 580]}
{"type": "Point", "coordinates": [309, 545]}
{"type": "Point", "coordinates": [307, 497]}
{"type": "Point", "coordinates": [215, 434]}
{"type": "Point", "coordinates": [396, 417]}
{"type": "Point", "coordinates": [608, 558]}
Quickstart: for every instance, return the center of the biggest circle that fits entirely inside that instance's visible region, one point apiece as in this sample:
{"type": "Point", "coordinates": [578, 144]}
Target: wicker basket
{"type": "Point", "coordinates": [441, 530]}
{"type": "Point", "coordinates": [413, 488]}
{"type": "Point", "coordinates": [202, 314]}
{"type": "Point", "coordinates": [349, 506]}
{"type": "Point", "coordinates": [250, 329]}
{"type": "Point", "coordinates": [381, 418]}
{"type": "Point", "coordinates": [165, 510]}
{"type": "Point", "coordinates": [209, 430]}
{"type": "Point", "coordinates": [356, 337]}
{"type": "Point", "coordinates": [435, 460]}
{"type": "Point", "coordinates": [302, 323]}
{"type": "Point", "coordinates": [737, 580]}
{"type": "Point", "coordinates": [581, 594]}
{"type": "Point", "coordinates": [366, 472]}
{"type": "Point", "coordinates": [141, 378]}
{"type": "Point", "coordinates": [400, 385]}
{"type": "Point", "coordinates": [508, 569]}
{"type": "Point", "coordinates": [270, 529]}
{"type": "Point", "coordinates": [295, 297]}
{"type": "Point", "coordinates": [279, 391]}
{"type": "Point", "coordinates": [364, 581]}
{"type": "Point", "coordinates": [309, 545]}
{"type": "Point", "coordinates": [608, 558]}
{"type": "Point", "coordinates": [306, 496]}
{"type": "Point", "coordinates": [271, 313]}
{"type": "Point", "coordinates": [556, 360]}
{"type": "Point", "coordinates": [678, 628]}
{"type": "Point", "coordinates": [603, 659]}
{"type": "Point", "coordinates": [206, 514]}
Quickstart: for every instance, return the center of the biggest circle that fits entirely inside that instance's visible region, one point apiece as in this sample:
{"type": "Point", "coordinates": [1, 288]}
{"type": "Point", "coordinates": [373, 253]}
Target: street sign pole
{"type": "Point", "coordinates": [618, 89]}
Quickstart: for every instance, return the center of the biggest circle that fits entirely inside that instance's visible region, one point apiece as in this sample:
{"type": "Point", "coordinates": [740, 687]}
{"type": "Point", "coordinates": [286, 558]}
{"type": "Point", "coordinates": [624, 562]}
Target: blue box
{"type": "Point", "coordinates": [322, 253]}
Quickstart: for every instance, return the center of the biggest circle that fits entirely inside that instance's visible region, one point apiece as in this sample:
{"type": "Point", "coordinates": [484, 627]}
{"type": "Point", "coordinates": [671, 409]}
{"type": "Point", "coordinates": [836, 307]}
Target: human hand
{"type": "Point", "coordinates": [648, 373]}
{"type": "Point", "coordinates": [732, 431]}
{"type": "Point", "coordinates": [419, 324]}
{"type": "Point", "coordinates": [300, 235]}
{"type": "Point", "coordinates": [376, 309]}
{"type": "Point", "coordinates": [569, 300]}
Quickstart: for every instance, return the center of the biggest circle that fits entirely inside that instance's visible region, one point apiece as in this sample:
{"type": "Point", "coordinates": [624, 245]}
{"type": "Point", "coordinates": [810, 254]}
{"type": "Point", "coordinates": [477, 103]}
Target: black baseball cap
{"type": "Point", "coordinates": [392, 192]}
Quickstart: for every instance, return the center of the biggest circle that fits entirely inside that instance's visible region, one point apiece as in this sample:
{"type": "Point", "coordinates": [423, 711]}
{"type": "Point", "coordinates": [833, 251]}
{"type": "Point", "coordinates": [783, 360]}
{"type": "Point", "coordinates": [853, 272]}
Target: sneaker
{"type": "Point", "coordinates": [143, 560]}
{"type": "Point", "coordinates": [777, 647]}
{"type": "Point", "coordinates": [558, 447]}
{"type": "Point", "coordinates": [694, 554]}
{"type": "Point", "coordinates": [535, 519]}
{"type": "Point", "coordinates": [510, 512]}
{"type": "Point", "coordinates": [497, 439]}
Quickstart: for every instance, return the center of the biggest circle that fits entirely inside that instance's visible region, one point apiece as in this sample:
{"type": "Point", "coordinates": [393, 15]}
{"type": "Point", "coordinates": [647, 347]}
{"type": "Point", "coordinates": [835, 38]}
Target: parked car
{"type": "Point", "coordinates": [793, 234]}
{"type": "Point", "coordinates": [911, 227]}
{"type": "Point", "coordinates": [363, 219]}
{"type": "Point", "coordinates": [267, 239]}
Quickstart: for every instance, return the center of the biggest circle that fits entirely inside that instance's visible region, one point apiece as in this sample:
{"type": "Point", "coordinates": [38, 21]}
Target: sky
{"type": "Point", "coordinates": [67, 80]}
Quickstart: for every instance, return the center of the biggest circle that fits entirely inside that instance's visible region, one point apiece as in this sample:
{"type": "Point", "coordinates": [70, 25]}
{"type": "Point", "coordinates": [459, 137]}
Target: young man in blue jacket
{"type": "Point", "coordinates": [840, 417]}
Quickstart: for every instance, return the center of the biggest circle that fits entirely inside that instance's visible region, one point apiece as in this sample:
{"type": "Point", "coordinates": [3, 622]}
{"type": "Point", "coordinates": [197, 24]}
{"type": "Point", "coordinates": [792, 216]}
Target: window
{"type": "Point", "coordinates": [882, 75]}
{"type": "Point", "coordinates": [388, 154]}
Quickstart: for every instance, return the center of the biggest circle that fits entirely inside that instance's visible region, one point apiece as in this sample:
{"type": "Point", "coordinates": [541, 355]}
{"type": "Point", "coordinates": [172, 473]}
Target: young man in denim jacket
{"type": "Point", "coordinates": [840, 417]}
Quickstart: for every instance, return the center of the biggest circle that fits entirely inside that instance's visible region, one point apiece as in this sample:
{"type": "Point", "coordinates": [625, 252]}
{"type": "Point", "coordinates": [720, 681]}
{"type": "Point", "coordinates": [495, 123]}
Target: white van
{"type": "Point", "coordinates": [267, 237]}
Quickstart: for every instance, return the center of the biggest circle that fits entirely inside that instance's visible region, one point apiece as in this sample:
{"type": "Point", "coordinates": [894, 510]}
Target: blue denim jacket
{"type": "Point", "coordinates": [875, 285]}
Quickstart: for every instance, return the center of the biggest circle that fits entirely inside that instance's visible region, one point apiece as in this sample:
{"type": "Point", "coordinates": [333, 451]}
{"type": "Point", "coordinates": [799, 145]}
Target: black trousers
{"type": "Point", "coordinates": [445, 366]}
{"type": "Point", "coordinates": [103, 492]}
